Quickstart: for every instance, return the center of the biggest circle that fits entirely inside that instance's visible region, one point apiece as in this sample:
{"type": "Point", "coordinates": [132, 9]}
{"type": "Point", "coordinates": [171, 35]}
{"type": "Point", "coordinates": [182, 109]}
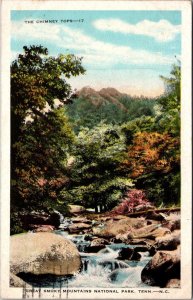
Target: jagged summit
{"type": "Point", "coordinates": [87, 90]}
{"type": "Point", "coordinates": [108, 105]}
{"type": "Point", "coordinates": [110, 91]}
{"type": "Point", "coordinates": [105, 95]}
{"type": "Point", "coordinates": [90, 94]}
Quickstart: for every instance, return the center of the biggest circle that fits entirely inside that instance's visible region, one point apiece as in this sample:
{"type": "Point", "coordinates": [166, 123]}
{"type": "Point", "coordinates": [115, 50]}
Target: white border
{"type": "Point", "coordinates": [186, 191]}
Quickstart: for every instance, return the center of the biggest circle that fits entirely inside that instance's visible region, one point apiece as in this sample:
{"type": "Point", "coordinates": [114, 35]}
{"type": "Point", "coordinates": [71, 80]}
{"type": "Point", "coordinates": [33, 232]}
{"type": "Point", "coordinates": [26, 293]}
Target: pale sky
{"type": "Point", "coordinates": [127, 50]}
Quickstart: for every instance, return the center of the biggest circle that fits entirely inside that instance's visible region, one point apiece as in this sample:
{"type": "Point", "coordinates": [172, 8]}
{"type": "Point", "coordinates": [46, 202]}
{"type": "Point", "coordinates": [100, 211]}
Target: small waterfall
{"type": "Point", "coordinates": [80, 242]}
{"type": "Point", "coordinates": [144, 255]}
{"type": "Point", "coordinates": [130, 277]}
{"type": "Point", "coordinates": [94, 276]}
{"type": "Point", "coordinates": [61, 216]}
{"type": "Point", "coordinates": [108, 253]}
{"type": "Point", "coordinates": [64, 222]}
{"type": "Point", "coordinates": [102, 269]}
{"type": "Point", "coordinates": [133, 278]}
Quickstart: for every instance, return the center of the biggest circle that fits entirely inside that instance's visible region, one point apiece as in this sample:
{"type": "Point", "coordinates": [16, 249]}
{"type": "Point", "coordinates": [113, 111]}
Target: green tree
{"type": "Point", "coordinates": [142, 124]}
{"type": "Point", "coordinates": [154, 145]}
{"type": "Point", "coordinates": [37, 80]}
{"type": "Point", "coordinates": [41, 159]}
{"type": "Point", "coordinates": [172, 89]}
{"type": "Point", "coordinates": [154, 161]}
{"type": "Point", "coordinates": [97, 179]}
{"type": "Point", "coordinates": [40, 132]}
{"type": "Point", "coordinates": [170, 102]}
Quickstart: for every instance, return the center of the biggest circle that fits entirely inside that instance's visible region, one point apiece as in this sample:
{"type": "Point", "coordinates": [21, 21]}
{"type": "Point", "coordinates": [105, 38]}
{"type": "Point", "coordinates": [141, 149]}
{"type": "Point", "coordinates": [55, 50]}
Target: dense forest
{"type": "Point", "coordinates": [89, 148]}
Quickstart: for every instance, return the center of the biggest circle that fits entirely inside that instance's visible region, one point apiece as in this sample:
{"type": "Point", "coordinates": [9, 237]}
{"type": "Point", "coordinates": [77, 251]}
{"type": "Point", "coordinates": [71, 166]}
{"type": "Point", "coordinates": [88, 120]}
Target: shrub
{"type": "Point", "coordinates": [131, 200]}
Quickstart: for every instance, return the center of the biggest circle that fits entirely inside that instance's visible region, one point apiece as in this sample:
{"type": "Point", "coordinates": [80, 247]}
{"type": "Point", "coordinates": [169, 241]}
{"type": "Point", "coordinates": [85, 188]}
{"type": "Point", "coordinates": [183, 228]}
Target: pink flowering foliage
{"type": "Point", "coordinates": [133, 198]}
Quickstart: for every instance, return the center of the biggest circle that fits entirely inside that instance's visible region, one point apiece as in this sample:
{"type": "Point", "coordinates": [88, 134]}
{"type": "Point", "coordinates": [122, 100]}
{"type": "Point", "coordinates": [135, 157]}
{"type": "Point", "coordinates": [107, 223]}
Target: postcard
{"type": "Point", "coordinates": [96, 150]}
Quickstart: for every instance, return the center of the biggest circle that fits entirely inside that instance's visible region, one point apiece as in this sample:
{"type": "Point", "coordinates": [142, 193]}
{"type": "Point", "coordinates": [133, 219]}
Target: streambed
{"type": "Point", "coordinates": [99, 270]}
{"type": "Point", "coordinates": [103, 269]}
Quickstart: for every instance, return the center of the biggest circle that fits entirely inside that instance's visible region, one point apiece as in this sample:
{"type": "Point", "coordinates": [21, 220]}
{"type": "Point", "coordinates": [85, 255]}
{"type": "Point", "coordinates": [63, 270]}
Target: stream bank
{"type": "Point", "coordinates": [117, 252]}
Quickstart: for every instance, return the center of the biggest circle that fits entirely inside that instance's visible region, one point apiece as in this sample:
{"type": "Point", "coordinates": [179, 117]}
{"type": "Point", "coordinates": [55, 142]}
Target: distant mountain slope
{"type": "Point", "coordinates": [104, 96]}
{"type": "Point", "coordinates": [108, 105]}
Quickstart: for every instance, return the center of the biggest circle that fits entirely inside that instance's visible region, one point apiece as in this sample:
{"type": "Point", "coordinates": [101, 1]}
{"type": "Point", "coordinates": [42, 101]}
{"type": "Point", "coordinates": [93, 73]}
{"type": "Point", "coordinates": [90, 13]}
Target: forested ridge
{"type": "Point", "coordinates": [108, 105]}
{"type": "Point", "coordinates": [92, 149]}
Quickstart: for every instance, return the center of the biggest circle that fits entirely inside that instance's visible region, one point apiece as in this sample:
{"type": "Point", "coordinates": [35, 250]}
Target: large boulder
{"type": "Point", "coordinates": [112, 264]}
{"type": "Point", "coordinates": [143, 207]}
{"type": "Point", "coordinates": [43, 253]}
{"type": "Point", "coordinates": [164, 265]}
{"type": "Point", "coordinates": [97, 244]}
{"type": "Point", "coordinates": [29, 220]}
{"type": "Point", "coordinates": [81, 220]}
{"type": "Point", "coordinates": [76, 209]}
{"type": "Point", "coordinates": [128, 254]}
{"type": "Point", "coordinates": [169, 241]}
{"type": "Point", "coordinates": [34, 218]}
{"type": "Point", "coordinates": [112, 228]}
{"type": "Point", "coordinates": [173, 222]}
{"type": "Point", "coordinates": [77, 227]}
{"type": "Point", "coordinates": [152, 215]}
{"type": "Point", "coordinates": [149, 231]}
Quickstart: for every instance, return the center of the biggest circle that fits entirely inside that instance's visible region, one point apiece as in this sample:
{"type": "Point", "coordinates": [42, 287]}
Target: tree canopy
{"type": "Point", "coordinates": [170, 102]}
{"type": "Point", "coordinates": [63, 154]}
{"type": "Point", "coordinates": [40, 132]}
{"type": "Point", "coordinates": [154, 145]}
{"type": "Point", "coordinates": [96, 175]}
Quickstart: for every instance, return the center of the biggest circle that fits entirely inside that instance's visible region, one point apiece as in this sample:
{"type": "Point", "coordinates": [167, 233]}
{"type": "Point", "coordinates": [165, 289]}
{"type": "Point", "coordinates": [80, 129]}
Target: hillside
{"type": "Point", "coordinates": [108, 105]}
{"type": "Point", "coordinates": [104, 96]}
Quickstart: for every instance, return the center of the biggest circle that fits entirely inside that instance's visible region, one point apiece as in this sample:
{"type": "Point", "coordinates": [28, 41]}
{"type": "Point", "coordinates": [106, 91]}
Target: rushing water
{"type": "Point", "coordinates": [99, 270]}
{"type": "Point", "coordinates": [104, 270]}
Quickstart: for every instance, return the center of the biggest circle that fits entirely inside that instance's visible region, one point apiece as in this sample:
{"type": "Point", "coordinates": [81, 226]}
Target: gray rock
{"type": "Point", "coordinates": [112, 228]}
{"type": "Point", "coordinates": [169, 241]}
{"type": "Point", "coordinates": [43, 253]}
{"type": "Point", "coordinates": [78, 227]}
{"type": "Point", "coordinates": [143, 207]}
{"type": "Point", "coordinates": [164, 266]}
{"type": "Point", "coordinates": [76, 209]}
{"type": "Point", "coordinates": [81, 220]}
{"type": "Point", "coordinates": [97, 244]}
{"type": "Point", "coordinates": [152, 215]}
{"type": "Point", "coordinates": [128, 254]}
{"type": "Point", "coordinates": [113, 264]}
{"type": "Point", "coordinates": [173, 222]}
